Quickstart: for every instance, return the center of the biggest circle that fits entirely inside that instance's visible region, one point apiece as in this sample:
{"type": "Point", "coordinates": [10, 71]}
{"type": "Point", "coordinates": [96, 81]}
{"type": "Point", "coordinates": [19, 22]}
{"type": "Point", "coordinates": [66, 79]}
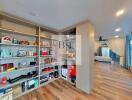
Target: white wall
{"type": "Point", "coordinates": [115, 44]}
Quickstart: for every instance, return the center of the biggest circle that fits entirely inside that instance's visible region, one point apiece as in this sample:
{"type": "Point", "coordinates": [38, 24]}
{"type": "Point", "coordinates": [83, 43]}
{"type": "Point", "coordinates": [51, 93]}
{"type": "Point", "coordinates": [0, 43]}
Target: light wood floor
{"type": "Point", "coordinates": [57, 90]}
{"type": "Point", "coordinates": [112, 83]}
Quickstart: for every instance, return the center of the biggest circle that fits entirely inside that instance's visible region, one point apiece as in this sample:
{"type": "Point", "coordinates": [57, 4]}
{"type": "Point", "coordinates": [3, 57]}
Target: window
{"type": "Point", "coordinates": [130, 57]}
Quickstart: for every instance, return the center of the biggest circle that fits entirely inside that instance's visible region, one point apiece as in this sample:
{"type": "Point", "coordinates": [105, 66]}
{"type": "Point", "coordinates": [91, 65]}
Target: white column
{"type": "Point", "coordinates": [85, 69]}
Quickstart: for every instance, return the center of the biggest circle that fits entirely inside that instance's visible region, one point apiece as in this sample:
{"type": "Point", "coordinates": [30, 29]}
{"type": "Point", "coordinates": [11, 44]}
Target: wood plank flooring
{"type": "Point", "coordinates": [112, 83]}
{"type": "Point", "coordinates": [57, 90]}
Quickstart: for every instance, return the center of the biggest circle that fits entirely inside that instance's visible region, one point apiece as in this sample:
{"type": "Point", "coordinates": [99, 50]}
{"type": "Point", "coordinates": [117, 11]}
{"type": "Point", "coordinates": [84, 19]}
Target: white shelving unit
{"type": "Point", "coordinates": [28, 30]}
{"type": "Point", "coordinates": [45, 55]}
{"type": "Point", "coordinates": [47, 72]}
{"type": "Point", "coordinates": [20, 69]}
{"type": "Point", "coordinates": [16, 32]}
{"type": "Point", "coordinates": [6, 58]}
{"type": "Point", "coordinates": [70, 40]}
{"type": "Point", "coordinates": [18, 45]}
{"type": "Point", "coordinates": [16, 83]}
{"type": "Point", "coordinates": [38, 68]}
{"type": "Point", "coordinates": [16, 26]}
{"type": "Point", "coordinates": [44, 84]}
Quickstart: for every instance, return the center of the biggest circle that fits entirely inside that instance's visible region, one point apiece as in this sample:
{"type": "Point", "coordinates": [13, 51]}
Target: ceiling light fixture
{"type": "Point", "coordinates": [118, 30]}
{"type": "Point", "coordinates": [119, 13]}
{"type": "Point", "coordinates": [117, 36]}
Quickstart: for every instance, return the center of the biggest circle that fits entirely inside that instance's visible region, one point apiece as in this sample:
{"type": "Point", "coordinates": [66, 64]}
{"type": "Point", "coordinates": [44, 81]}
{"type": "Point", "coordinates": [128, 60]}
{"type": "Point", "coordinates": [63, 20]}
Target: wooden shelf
{"type": "Point", "coordinates": [54, 63]}
{"type": "Point", "coordinates": [49, 81]}
{"type": "Point", "coordinates": [20, 69]}
{"type": "Point", "coordinates": [45, 46]}
{"type": "Point", "coordinates": [43, 73]}
{"type": "Point", "coordinates": [16, 83]}
{"type": "Point", "coordinates": [48, 38]}
{"type": "Point", "coordinates": [45, 55]}
{"type": "Point", "coordinates": [23, 93]}
{"type": "Point", "coordinates": [16, 32]}
{"type": "Point", "coordinates": [72, 59]}
{"type": "Point", "coordinates": [5, 44]}
{"type": "Point", "coordinates": [18, 57]}
{"type": "Point", "coordinates": [45, 37]}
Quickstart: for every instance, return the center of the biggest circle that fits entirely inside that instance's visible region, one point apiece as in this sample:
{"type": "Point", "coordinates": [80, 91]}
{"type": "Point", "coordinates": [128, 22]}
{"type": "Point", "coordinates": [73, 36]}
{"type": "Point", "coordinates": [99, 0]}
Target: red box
{"type": "Point", "coordinates": [7, 66]}
{"type": "Point", "coordinates": [45, 53]}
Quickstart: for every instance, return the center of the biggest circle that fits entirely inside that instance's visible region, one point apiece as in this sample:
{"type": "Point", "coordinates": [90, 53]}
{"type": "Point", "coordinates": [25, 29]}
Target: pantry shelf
{"type": "Point", "coordinates": [47, 38]}
{"type": "Point", "coordinates": [19, 82]}
{"type": "Point", "coordinates": [18, 57]}
{"type": "Point", "coordinates": [29, 46]}
{"type": "Point", "coordinates": [47, 72]}
{"type": "Point", "coordinates": [44, 84]}
{"type": "Point", "coordinates": [20, 69]}
{"type": "Point", "coordinates": [16, 32]}
{"type": "Point", "coordinates": [49, 81]}
{"type": "Point", "coordinates": [5, 44]}
{"type": "Point", "coordinates": [23, 93]}
{"type": "Point", "coordinates": [45, 55]}
{"type": "Point", "coordinates": [54, 63]}
{"type": "Point", "coordinates": [45, 46]}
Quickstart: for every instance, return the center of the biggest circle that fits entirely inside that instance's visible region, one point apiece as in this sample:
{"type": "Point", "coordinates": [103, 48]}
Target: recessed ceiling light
{"type": "Point", "coordinates": [118, 30]}
{"type": "Point", "coordinates": [116, 36]}
{"type": "Point", "coordinates": [119, 13]}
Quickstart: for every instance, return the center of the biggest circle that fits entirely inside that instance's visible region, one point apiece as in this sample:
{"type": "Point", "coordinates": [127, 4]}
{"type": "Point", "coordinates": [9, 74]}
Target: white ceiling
{"type": "Point", "coordinates": [60, 14]}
